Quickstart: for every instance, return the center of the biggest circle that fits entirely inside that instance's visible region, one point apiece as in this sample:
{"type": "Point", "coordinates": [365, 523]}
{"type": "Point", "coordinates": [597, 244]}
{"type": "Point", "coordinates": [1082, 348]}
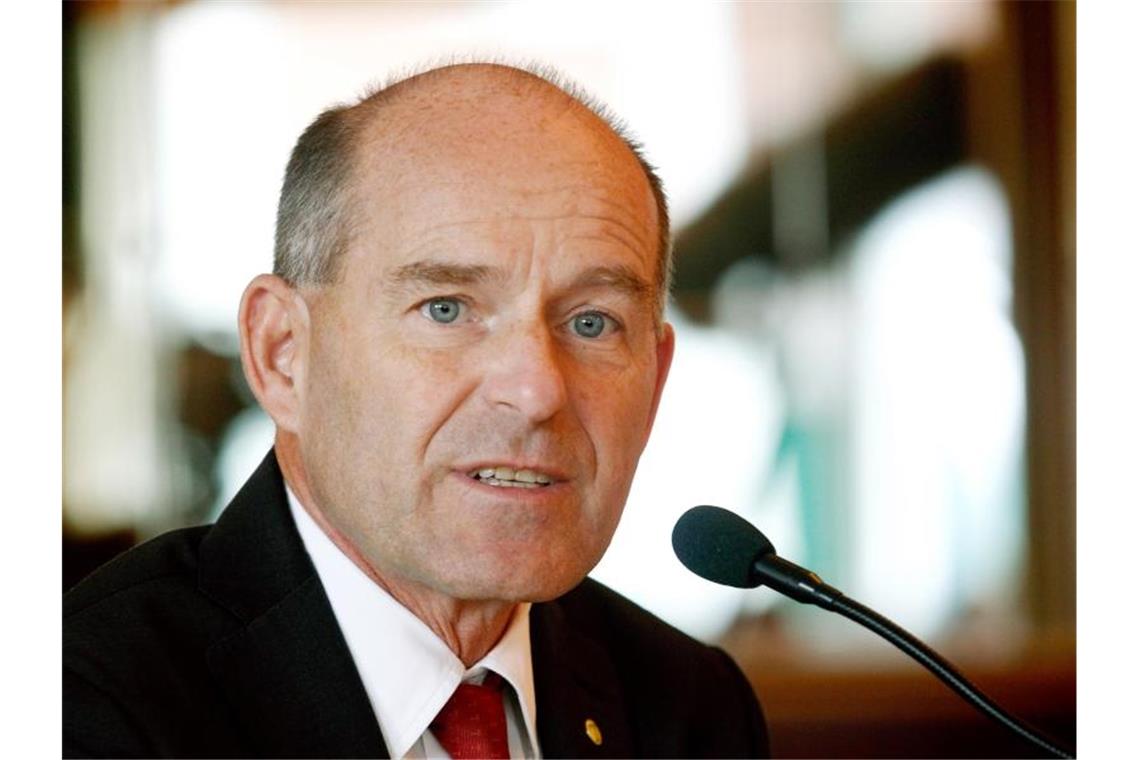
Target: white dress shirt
{"type": "Point", "coordinates": [408, 672]}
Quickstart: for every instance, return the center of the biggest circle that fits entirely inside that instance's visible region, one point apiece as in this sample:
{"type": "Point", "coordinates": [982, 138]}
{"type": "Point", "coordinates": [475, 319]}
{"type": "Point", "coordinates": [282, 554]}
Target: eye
{"type": "Point", "coordinates": [442, 310]}
{"type": "Point", "coordinates": [590, 324]}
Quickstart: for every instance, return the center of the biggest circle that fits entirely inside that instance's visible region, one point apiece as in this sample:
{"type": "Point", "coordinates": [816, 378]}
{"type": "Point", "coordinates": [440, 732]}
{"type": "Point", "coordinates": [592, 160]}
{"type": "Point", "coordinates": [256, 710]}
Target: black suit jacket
{"type": "Point", "coordinates": [219, 641]}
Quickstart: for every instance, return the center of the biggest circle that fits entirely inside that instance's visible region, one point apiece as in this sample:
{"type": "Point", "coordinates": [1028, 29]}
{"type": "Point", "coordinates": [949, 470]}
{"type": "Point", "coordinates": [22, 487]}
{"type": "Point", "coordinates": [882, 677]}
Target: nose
{"type": "Point", "coordinates": [526, 373]}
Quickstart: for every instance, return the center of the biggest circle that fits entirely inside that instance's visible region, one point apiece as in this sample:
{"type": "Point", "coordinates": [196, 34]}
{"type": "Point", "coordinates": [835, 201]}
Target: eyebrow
{"type": "Point", "coordinates": [439, 273]}
{"type": "Point", "coordinates": [618, 277]}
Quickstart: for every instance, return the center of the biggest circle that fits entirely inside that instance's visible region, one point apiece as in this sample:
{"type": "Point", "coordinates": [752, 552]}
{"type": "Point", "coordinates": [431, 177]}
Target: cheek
{"type": "Point", "coordinates": [615, 414]}
{"type": "Point", "coordinates": [353, 410]}
{"type": "Point", "coordinates": [424, 388]}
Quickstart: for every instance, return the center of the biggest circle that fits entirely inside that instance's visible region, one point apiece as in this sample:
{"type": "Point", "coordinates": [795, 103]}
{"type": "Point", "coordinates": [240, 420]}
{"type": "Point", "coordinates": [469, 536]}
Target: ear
{"type": "Point", "coordinates": [273, 322]}
{"type": "Point", "coordinates": [665, 346]}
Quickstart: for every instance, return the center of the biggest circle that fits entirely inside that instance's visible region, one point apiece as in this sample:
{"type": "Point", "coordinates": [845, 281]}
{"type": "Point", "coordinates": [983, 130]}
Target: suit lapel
{"type": "Point", "coordinates": [287, 671]}
{"type": "Point", "coordinates": [575, 682]}
{"type": "Point", "coordinates": [290, 676]}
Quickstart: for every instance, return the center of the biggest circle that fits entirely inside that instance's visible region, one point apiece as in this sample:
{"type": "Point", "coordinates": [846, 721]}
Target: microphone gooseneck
{"type": "Point", "coordinates": [723, 547]}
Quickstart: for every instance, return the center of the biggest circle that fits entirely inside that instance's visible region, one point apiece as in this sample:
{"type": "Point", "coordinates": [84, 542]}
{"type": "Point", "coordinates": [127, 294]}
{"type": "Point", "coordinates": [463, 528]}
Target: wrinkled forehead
{"type": "Point", "coordinates": [427, 164]}
{"type": "Point", "coordinates": [461, 206]}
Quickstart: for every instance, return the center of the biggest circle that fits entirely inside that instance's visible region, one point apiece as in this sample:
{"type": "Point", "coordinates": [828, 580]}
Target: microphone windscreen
{"type": "Point", "coordinates": [719, 546]}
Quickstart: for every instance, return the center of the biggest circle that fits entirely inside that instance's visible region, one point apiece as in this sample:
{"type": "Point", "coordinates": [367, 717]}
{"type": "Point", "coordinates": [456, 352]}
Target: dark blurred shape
{"type": "Point", "coordinates": [1043, 183]}
{"type": "Point", "coordinates": [212, 392]}
{"type": "Point", "coordinates": [209, 392]}
{"type": "Point", "coordinates": [84, 554]}
{"type": "Point", "coordinates": [908, 131]}
{"type": "Point", "coordinates": [902, 714]}
{"type": "Point", "coordinates": [72, 260]}
{"type": "Point", "coordinates": [881, 704]}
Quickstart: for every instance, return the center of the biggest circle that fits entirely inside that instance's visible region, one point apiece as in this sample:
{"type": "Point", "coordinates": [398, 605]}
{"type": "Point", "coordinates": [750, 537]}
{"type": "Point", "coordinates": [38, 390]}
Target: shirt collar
{"type": "Point", "coordinates": [408, 672]}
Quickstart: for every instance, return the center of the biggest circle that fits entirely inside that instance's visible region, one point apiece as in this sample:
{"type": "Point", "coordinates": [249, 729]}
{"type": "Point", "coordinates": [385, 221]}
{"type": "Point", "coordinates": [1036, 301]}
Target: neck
{"type": "Point", "coordinates": [469, 628]}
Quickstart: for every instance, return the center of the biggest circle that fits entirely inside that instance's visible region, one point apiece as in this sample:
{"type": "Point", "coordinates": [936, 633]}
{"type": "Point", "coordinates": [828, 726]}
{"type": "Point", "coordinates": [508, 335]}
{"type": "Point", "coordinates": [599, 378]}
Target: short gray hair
{"type": "Point", "coordinates": [315, 212]}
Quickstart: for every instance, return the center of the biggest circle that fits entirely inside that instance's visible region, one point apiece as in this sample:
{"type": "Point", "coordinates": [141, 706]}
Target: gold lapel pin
{"type": "Point", "coordinates": [593, 732]}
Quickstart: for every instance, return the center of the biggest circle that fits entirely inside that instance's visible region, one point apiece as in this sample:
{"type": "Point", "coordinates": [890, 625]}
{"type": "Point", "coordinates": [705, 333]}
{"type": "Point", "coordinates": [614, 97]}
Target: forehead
{"type": "Point", "coordinates": [475, 177]}
{"type": "Point", "coordinates": [491, 208]}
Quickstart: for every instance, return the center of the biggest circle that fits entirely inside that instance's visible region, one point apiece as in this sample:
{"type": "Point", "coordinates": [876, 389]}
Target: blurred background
{"type": "Point", "coordinates": [874, 210]}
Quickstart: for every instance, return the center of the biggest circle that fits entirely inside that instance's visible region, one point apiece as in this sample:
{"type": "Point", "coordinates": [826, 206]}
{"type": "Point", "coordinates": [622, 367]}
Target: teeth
{"type": "Point", "coordinates": [505, 476]}
{"type": "Point", "coordinates": [509, 483]}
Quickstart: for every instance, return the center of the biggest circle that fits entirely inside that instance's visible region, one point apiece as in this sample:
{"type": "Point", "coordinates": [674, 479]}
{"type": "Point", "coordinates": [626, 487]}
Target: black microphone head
{"type": "Point", "coordinates": [719, 546]}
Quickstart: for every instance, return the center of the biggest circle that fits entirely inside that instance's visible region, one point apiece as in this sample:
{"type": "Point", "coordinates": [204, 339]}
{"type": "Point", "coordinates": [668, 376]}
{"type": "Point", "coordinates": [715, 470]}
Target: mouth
{"type": "Point", "coordinates": [508, 477]}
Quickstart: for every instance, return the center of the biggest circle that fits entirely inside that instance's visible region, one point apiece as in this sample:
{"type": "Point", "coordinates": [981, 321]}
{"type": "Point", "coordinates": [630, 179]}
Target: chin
{"type": "Point", "coordinates": [521, 584]}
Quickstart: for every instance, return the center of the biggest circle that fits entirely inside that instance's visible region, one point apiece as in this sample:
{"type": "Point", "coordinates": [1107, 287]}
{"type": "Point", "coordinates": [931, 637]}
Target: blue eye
{"type": "Point", "coordinates": [442, 310]}
{"type": "Point", "coordinates": [589, 324]}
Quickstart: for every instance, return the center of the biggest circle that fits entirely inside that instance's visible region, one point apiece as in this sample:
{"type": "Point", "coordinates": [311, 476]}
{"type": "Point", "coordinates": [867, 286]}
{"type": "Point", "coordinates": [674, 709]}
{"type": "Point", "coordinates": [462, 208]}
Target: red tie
{"type": "Point", "coordinates": [472, 724]}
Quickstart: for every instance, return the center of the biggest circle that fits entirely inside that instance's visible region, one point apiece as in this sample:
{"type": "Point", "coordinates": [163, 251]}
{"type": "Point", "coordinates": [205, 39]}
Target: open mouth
{"type": "Point", "coordinates": [505, 477]}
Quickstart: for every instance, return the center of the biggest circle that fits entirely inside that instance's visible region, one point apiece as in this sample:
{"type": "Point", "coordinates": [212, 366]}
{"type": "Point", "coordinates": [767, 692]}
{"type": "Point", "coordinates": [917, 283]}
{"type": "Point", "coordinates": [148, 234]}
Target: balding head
{"type": "Point", "coordinates": [458, 119]}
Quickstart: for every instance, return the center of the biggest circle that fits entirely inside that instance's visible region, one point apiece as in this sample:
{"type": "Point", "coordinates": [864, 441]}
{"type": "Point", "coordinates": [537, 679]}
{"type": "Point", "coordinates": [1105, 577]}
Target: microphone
{"type": "Point", "coordinates": [723, 547]}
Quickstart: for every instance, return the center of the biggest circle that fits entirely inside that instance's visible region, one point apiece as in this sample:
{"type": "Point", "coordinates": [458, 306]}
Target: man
{"type": "Point", "coordinates": [462, 348]}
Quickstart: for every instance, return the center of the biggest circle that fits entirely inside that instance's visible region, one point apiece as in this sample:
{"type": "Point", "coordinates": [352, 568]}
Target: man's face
{"type": "Point", "coordinates": [482, 380]}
